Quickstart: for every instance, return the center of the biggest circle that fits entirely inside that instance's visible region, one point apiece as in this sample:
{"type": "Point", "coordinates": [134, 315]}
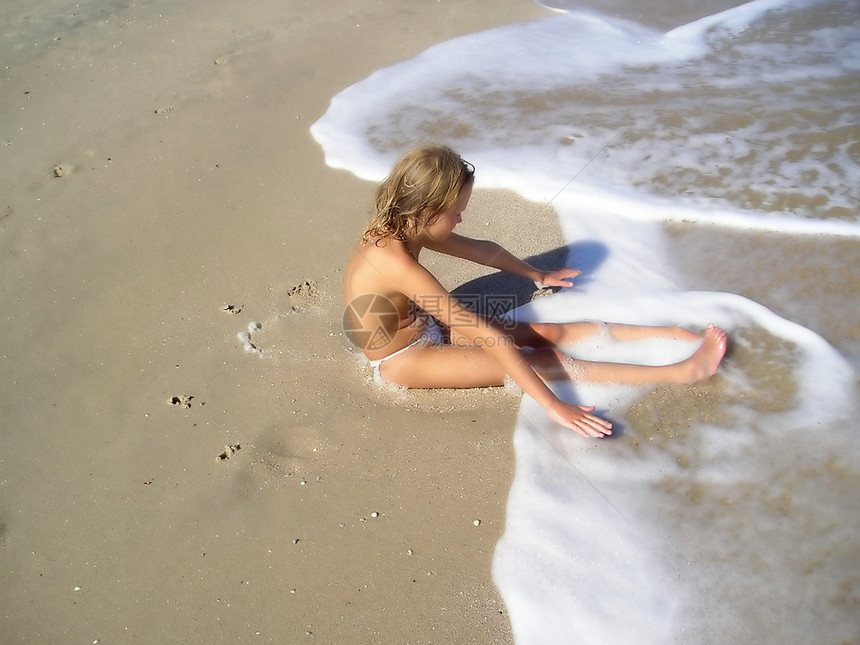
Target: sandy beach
{"type": "Point", "coordinates": [162, 195]}
{"type": "Point", "coordinates": [193, 452]}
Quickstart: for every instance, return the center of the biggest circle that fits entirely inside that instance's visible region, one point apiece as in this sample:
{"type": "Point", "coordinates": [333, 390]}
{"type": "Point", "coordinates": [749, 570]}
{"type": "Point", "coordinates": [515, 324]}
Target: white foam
{"type": "Point", "coordinates": [534, 105]}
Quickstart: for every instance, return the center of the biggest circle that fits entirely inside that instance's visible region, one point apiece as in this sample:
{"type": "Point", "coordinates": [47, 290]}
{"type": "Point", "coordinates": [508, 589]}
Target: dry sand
{"type": "Point", "coordinates": [161, 193]}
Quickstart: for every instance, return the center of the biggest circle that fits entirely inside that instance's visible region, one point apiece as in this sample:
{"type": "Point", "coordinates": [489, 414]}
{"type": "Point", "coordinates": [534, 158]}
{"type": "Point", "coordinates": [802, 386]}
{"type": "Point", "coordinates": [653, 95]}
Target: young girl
{"type": "Point", "coordinates": [394, 304]}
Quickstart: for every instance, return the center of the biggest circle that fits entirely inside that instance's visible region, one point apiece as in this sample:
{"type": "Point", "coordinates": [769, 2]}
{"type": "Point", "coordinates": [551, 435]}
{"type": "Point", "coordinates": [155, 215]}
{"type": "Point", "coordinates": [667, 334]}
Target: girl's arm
{"type": "Point", "coordinates": [495, 255]}
{"type": "Point", "coordinates": [420, 286]}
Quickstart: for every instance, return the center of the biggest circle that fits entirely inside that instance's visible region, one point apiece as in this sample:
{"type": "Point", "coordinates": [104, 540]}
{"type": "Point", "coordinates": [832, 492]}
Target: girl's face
{"type": "Point", "coordinates": [444, 224]}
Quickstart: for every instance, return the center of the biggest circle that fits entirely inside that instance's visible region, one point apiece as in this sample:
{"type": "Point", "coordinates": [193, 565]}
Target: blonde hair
{"type": "Point", "coordinates": [424, 183]}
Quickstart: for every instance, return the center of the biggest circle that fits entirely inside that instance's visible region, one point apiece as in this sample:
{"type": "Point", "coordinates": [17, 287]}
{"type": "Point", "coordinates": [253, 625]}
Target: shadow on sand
{"type": "Point", "coordinates": [497, 293]}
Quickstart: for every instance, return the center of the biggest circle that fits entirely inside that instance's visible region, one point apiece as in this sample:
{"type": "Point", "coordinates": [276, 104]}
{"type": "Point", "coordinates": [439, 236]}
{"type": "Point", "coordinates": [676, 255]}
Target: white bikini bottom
{"type": "Point", "coordinates": [431, 336]}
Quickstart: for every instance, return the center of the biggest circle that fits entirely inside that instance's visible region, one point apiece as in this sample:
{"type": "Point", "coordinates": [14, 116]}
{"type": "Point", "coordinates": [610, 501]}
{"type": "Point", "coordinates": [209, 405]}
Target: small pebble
{"type": "Point", "coordinates": [77, 588]}
{"type": "Point", "coordinates": [477, 522]}
{"type": "Point", "coordinates": [408, 551]}
{"type": "Point", "coordinates": [295, 540]}
{"type": "Point", "coordinates": [374, 514]}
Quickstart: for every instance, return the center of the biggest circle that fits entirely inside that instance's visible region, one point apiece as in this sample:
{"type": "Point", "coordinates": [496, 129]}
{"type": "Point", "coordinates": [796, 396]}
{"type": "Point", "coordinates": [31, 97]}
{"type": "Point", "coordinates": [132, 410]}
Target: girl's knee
{"type": "Point", "coordinates": [543, 334]}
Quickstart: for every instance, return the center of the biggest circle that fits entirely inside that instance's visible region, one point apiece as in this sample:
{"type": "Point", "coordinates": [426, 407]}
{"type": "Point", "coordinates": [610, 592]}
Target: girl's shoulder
{"type": "Point", "coordinates": [387, 250]}
{"type": "Point", "coordinates": [381, 265]}
{"type": "Point", "coordinates": [378, 268]}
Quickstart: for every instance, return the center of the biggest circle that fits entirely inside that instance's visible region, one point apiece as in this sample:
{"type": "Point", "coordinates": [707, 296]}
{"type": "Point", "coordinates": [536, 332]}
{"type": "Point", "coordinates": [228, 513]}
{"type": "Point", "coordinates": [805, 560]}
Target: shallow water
{"type": "Point", "coordinates": [721, 512]}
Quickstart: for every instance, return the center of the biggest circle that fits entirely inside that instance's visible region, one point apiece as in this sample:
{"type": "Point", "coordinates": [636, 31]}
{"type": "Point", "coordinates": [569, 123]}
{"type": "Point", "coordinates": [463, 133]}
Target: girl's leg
{"type": "Point", "coordinates": [462, 367]}
{"type": "Point", "coordinates": [700, 366]}
{"type": "Point", "coordinates": [561, 334]}
{"type": "Point", "coordinates": [443, 366]}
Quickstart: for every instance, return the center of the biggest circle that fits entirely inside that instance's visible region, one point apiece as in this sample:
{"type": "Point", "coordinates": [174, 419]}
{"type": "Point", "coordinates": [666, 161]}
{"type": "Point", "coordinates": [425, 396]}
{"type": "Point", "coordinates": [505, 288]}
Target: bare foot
{"type": "Point", "coordinates": [704, 362]}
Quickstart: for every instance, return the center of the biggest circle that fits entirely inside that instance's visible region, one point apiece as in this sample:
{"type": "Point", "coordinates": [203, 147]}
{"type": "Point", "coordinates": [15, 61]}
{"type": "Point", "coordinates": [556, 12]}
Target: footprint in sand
{"type": "Point", "coordinates": [182, 400]}
{"type": "Point", "coordinates": [299, 299]}
{"type": "Point", "coordinates": [61, 170]}
{"type": "Point", "coordinates": [228, 451]}
{"type": "Point", "coordinates": [303, 296]}
{"type": "Point", "coordinates": [224, 58]}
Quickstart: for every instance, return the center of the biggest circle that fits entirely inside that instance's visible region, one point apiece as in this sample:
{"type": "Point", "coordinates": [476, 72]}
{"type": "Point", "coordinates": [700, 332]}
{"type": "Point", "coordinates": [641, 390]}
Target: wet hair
{"type": "Point", "coordinates": [424, 183]}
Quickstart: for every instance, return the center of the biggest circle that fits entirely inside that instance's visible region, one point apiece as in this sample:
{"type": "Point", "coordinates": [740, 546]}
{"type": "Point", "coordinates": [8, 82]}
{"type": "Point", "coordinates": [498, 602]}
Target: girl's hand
{"type": "Point", "coordinates": [577, 417]}
{"type": "Point", "coordinates": [558, 278]}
